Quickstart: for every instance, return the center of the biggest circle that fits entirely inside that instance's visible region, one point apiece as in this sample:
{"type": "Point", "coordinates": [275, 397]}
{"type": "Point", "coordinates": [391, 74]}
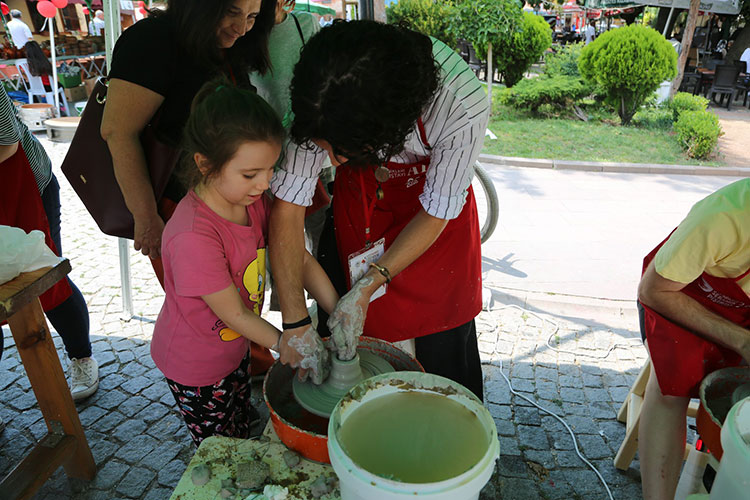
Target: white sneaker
{"type": "Point", "coordinates": [84, 377]}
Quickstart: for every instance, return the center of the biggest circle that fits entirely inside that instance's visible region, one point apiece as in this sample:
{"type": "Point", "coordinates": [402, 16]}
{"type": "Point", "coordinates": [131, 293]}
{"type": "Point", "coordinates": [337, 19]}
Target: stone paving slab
{"type": "Point", "coordinates": [141, 445]}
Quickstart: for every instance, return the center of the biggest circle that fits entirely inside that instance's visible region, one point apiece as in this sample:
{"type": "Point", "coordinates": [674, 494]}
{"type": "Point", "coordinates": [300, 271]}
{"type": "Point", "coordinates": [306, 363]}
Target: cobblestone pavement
{"type": "Point", "coordinates": [141, 446]}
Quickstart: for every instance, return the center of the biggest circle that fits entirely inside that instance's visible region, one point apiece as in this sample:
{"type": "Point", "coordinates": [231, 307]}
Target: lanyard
{"type": "Point", "coordinates": [368, 211]}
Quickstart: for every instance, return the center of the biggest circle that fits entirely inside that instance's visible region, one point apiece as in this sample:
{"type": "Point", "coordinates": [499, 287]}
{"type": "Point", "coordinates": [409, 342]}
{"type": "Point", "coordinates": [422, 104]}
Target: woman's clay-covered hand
{"type": "Point", "coordinates": [348, 319]}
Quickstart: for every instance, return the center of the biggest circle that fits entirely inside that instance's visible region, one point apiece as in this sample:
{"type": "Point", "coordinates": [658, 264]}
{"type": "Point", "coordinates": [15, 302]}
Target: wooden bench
{"type": "Point", "coordinates": [65, 443]}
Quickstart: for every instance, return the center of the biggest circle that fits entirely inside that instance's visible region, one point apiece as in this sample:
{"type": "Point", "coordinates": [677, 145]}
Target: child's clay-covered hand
{"type": "Point", "coordinates": [348, 319]}
{"type": "Point", "coordinates": [305, 351]}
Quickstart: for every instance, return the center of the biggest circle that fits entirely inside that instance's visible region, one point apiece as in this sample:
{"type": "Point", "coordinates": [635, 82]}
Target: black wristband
{"type": "Point", "coordinates": [303, 322]}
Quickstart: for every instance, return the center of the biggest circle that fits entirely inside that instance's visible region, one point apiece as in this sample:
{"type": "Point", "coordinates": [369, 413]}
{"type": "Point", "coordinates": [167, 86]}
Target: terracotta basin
{"type": "Point", "coordinates": [301, 430]}
{"type": "Point", "coordinates": [715, 394]}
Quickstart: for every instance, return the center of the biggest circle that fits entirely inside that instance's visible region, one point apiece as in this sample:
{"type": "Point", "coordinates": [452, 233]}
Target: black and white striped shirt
{"type": "Point", "coordinates": [12, 130]}
{"type": "Point", "coordinates": [454, 123]}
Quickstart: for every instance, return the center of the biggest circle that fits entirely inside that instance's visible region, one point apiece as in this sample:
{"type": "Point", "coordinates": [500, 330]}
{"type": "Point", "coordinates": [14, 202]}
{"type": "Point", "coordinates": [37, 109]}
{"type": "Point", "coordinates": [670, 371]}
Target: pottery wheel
{"type": "Point", "coordinates": [321, 399]}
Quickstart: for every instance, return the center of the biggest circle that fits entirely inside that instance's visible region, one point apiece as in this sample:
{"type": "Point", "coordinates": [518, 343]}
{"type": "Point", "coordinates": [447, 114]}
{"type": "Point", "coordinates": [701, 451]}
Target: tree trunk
{"type": "Point", "coordinates": [489, 75]}
{"type": "Point", "coordinates": [741, 42]}
{"type": "Point", "coordinates": [687, 41]}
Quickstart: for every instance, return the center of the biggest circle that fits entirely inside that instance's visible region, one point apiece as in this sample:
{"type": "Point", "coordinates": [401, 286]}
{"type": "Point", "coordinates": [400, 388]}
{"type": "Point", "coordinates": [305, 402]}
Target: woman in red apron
{"type": "Point", "coordinates": [407, 266]}
{"type": "Point", "coordinates": [717, 308]}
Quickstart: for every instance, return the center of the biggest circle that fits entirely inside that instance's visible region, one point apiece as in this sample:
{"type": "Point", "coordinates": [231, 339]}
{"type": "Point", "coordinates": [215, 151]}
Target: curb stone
{"type": "Point", "coordinates": [636, 168]}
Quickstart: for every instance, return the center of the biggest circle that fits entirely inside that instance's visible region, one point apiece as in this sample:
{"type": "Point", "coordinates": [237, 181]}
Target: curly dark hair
{"type": "Point", "coordinates": [222, 118]}
{"type": "Point", "coordinates": [361, 86]}
{"type": "Point", "coordinates": [196, 21]}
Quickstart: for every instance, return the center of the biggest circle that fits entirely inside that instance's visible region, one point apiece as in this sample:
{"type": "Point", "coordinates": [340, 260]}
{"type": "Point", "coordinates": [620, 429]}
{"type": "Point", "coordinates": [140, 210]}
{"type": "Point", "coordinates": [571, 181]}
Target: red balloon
{"type": "Point", "coordinates": [60, 4]}
{"type": "Point", "coordinates": [4, 8]}
{"type": "Point", "coordinates": [85, 11]}
{"type": "Point", "coordinates": [46, 8]}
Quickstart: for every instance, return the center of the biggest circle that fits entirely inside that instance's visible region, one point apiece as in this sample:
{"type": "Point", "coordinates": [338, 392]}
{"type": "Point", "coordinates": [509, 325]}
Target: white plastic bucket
{"type": "Point", "coordinates": [733, 479]}
{"type": "Point", "coordinates": [33, 115]}
{"type": "Point", "coordinates": [359, 484]}
{"type": "Point", "coordinates": [662, 93]}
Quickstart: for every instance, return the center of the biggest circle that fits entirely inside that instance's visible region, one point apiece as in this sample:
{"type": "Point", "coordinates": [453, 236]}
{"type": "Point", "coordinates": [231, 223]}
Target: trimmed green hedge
{"type": "Point", "coordinates": [628, 64]}
{"type": "Point", "coordinates": [524, 47]}
{"type": "Point", "coordinates": [546, 95]}
{"type": "Point", "coordinates": [653, 118]}
{"type": "Point", "coordinates": [564, 61]}
{"type": "Point", "coordinates": [682, 101]}
{"type": "Point", "coordinates": [698, 132]}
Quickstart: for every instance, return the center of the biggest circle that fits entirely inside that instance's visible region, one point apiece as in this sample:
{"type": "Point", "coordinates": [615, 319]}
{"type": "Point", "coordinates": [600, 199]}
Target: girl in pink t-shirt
{"type": "Point", "coordinates": [214, 254]}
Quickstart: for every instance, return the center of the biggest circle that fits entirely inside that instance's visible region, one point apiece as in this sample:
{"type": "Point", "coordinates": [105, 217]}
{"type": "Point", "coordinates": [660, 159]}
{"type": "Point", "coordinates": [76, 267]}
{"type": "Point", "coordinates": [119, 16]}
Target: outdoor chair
{"type": "Point", "coordinates": [743, 82]}
{"type": "Point", "coordinates": [463, 49]}
{"type": "Point", "coordinates": [725, 83]}
{"type": "Point", "coordinates": [476, 64]}
{"type": "Point", "coordinates": [34, 86]}
{"type": "Point", "coordinates": [691, 80]}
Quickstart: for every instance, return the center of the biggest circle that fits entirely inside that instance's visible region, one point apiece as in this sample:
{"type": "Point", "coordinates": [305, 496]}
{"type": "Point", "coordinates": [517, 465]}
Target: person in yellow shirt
{"type": "Point", "coordinates": [695, 313]}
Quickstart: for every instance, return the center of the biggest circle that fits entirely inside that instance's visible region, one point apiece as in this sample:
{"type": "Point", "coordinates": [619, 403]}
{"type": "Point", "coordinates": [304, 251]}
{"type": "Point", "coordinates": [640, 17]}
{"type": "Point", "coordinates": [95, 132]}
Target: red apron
{"type": "Point", "coordinates": [440, 290]}
{"type": "Point", "coordinates": [21, 206]}
{"type": "Point", "coordinates": [681, 358]}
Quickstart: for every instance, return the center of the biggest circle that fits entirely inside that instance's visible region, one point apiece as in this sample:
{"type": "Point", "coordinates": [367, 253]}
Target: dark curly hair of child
{"type": "Point", "coordinates": [222, 118]}
{"type": "Point", "coordinates": [361, 86]}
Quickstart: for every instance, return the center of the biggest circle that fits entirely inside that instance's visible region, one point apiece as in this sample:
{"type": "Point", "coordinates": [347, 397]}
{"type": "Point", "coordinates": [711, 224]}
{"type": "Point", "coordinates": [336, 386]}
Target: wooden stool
{"type": "Point", "coordinates": [65, 443]}
{"type": "Point", "coordinates": [630, 415]}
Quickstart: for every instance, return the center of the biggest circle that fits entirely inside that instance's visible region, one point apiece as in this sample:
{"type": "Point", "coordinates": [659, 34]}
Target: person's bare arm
{"type": "Point", "coordinates": [287, 255]}
{"type": "Point", "coordinates": [228, 306]}
{"type": "Point", "coordinates": [316, 282]}
{"type": "Point", "coordinates": [128, 110]}
{"type": "Point", "coordinates": [665, 297]}
{"type": "Point", "coordinates": [8, 151]}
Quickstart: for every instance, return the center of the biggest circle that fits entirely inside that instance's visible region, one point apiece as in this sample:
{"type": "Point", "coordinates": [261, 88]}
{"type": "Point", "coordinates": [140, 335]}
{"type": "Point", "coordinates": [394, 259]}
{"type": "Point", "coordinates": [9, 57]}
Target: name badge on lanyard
{"type": "Point", "coordinates": [359, 264]}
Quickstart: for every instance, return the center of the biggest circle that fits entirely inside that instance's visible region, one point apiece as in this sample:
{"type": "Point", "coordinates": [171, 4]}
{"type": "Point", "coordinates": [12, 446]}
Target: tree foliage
{"type": "Point", "coordinates": [429, 17]}
{"type": "Point", "coordinates": [628, 64]}
{"type": "Point", "coordinates": [486, 21]}
{"type": "Point", "coordinates": [515, 54]}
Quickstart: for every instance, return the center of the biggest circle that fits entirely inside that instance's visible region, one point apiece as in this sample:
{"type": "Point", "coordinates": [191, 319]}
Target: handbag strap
{"type": "Point", "coordinates": [299, 28]}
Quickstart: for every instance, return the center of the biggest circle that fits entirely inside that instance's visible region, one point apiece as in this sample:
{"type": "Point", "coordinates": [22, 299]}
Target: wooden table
{"type": "Point", "coordinates": [65, 443]}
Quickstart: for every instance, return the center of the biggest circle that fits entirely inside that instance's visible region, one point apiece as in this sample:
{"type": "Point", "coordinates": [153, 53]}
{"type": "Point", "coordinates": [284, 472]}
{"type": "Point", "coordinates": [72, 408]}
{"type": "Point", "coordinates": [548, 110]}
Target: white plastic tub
{"type": "Point", "coordinates": [359, 484]}
{"type": "Point", "coordinates": [733, 479]}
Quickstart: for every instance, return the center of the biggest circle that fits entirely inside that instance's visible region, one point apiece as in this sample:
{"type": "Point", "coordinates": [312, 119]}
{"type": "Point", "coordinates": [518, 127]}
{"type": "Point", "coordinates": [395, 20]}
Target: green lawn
{"type": "Point", "coordinates": [599, 139]}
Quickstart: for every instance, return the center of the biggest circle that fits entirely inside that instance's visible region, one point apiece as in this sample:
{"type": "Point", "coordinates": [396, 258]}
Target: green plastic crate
{"type": "Point", "coordinates": [69, 81]}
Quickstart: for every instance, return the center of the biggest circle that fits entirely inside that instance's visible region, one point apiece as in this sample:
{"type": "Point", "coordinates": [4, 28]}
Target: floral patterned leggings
{"type": "Point", "coordinates": [221, 409]}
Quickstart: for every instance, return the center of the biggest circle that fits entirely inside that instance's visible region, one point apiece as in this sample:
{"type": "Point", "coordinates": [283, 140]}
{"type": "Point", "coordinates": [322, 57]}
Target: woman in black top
{"type": "Point", "coordinates": [159, 64]}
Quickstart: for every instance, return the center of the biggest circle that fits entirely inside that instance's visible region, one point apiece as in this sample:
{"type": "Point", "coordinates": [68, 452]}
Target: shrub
{"type": "Point", "coordinates": [486, 22]}
{"type": "Point", "coordinates": [425, 16]}
{"type": "Point", "coordinates": [629, 64]}
{"type": "Point", "coordinates": [564, 61]}
{"type": "Point", "coordinates": [653, 118]}
{"type": "Point", "coordinates": [698, 132]}
{"type": "Point", "coordinates": [515, 54]}
{"type": "Point", "coordinates": [683, 101]}
{"type": "Point", "coordinates": [544, 95]}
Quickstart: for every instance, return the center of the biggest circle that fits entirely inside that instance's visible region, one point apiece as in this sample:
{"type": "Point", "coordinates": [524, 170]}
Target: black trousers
{"type": "Point", "coordinates": [452, 354]}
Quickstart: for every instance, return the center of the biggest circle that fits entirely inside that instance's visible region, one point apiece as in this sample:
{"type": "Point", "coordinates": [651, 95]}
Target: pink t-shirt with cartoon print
{"type": "Point", "coordinates": [204, 253]}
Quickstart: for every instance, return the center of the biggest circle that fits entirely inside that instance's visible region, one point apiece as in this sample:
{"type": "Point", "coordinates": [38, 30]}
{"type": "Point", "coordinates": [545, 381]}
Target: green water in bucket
{"type": "Point", "coordinates": [414, 437]}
